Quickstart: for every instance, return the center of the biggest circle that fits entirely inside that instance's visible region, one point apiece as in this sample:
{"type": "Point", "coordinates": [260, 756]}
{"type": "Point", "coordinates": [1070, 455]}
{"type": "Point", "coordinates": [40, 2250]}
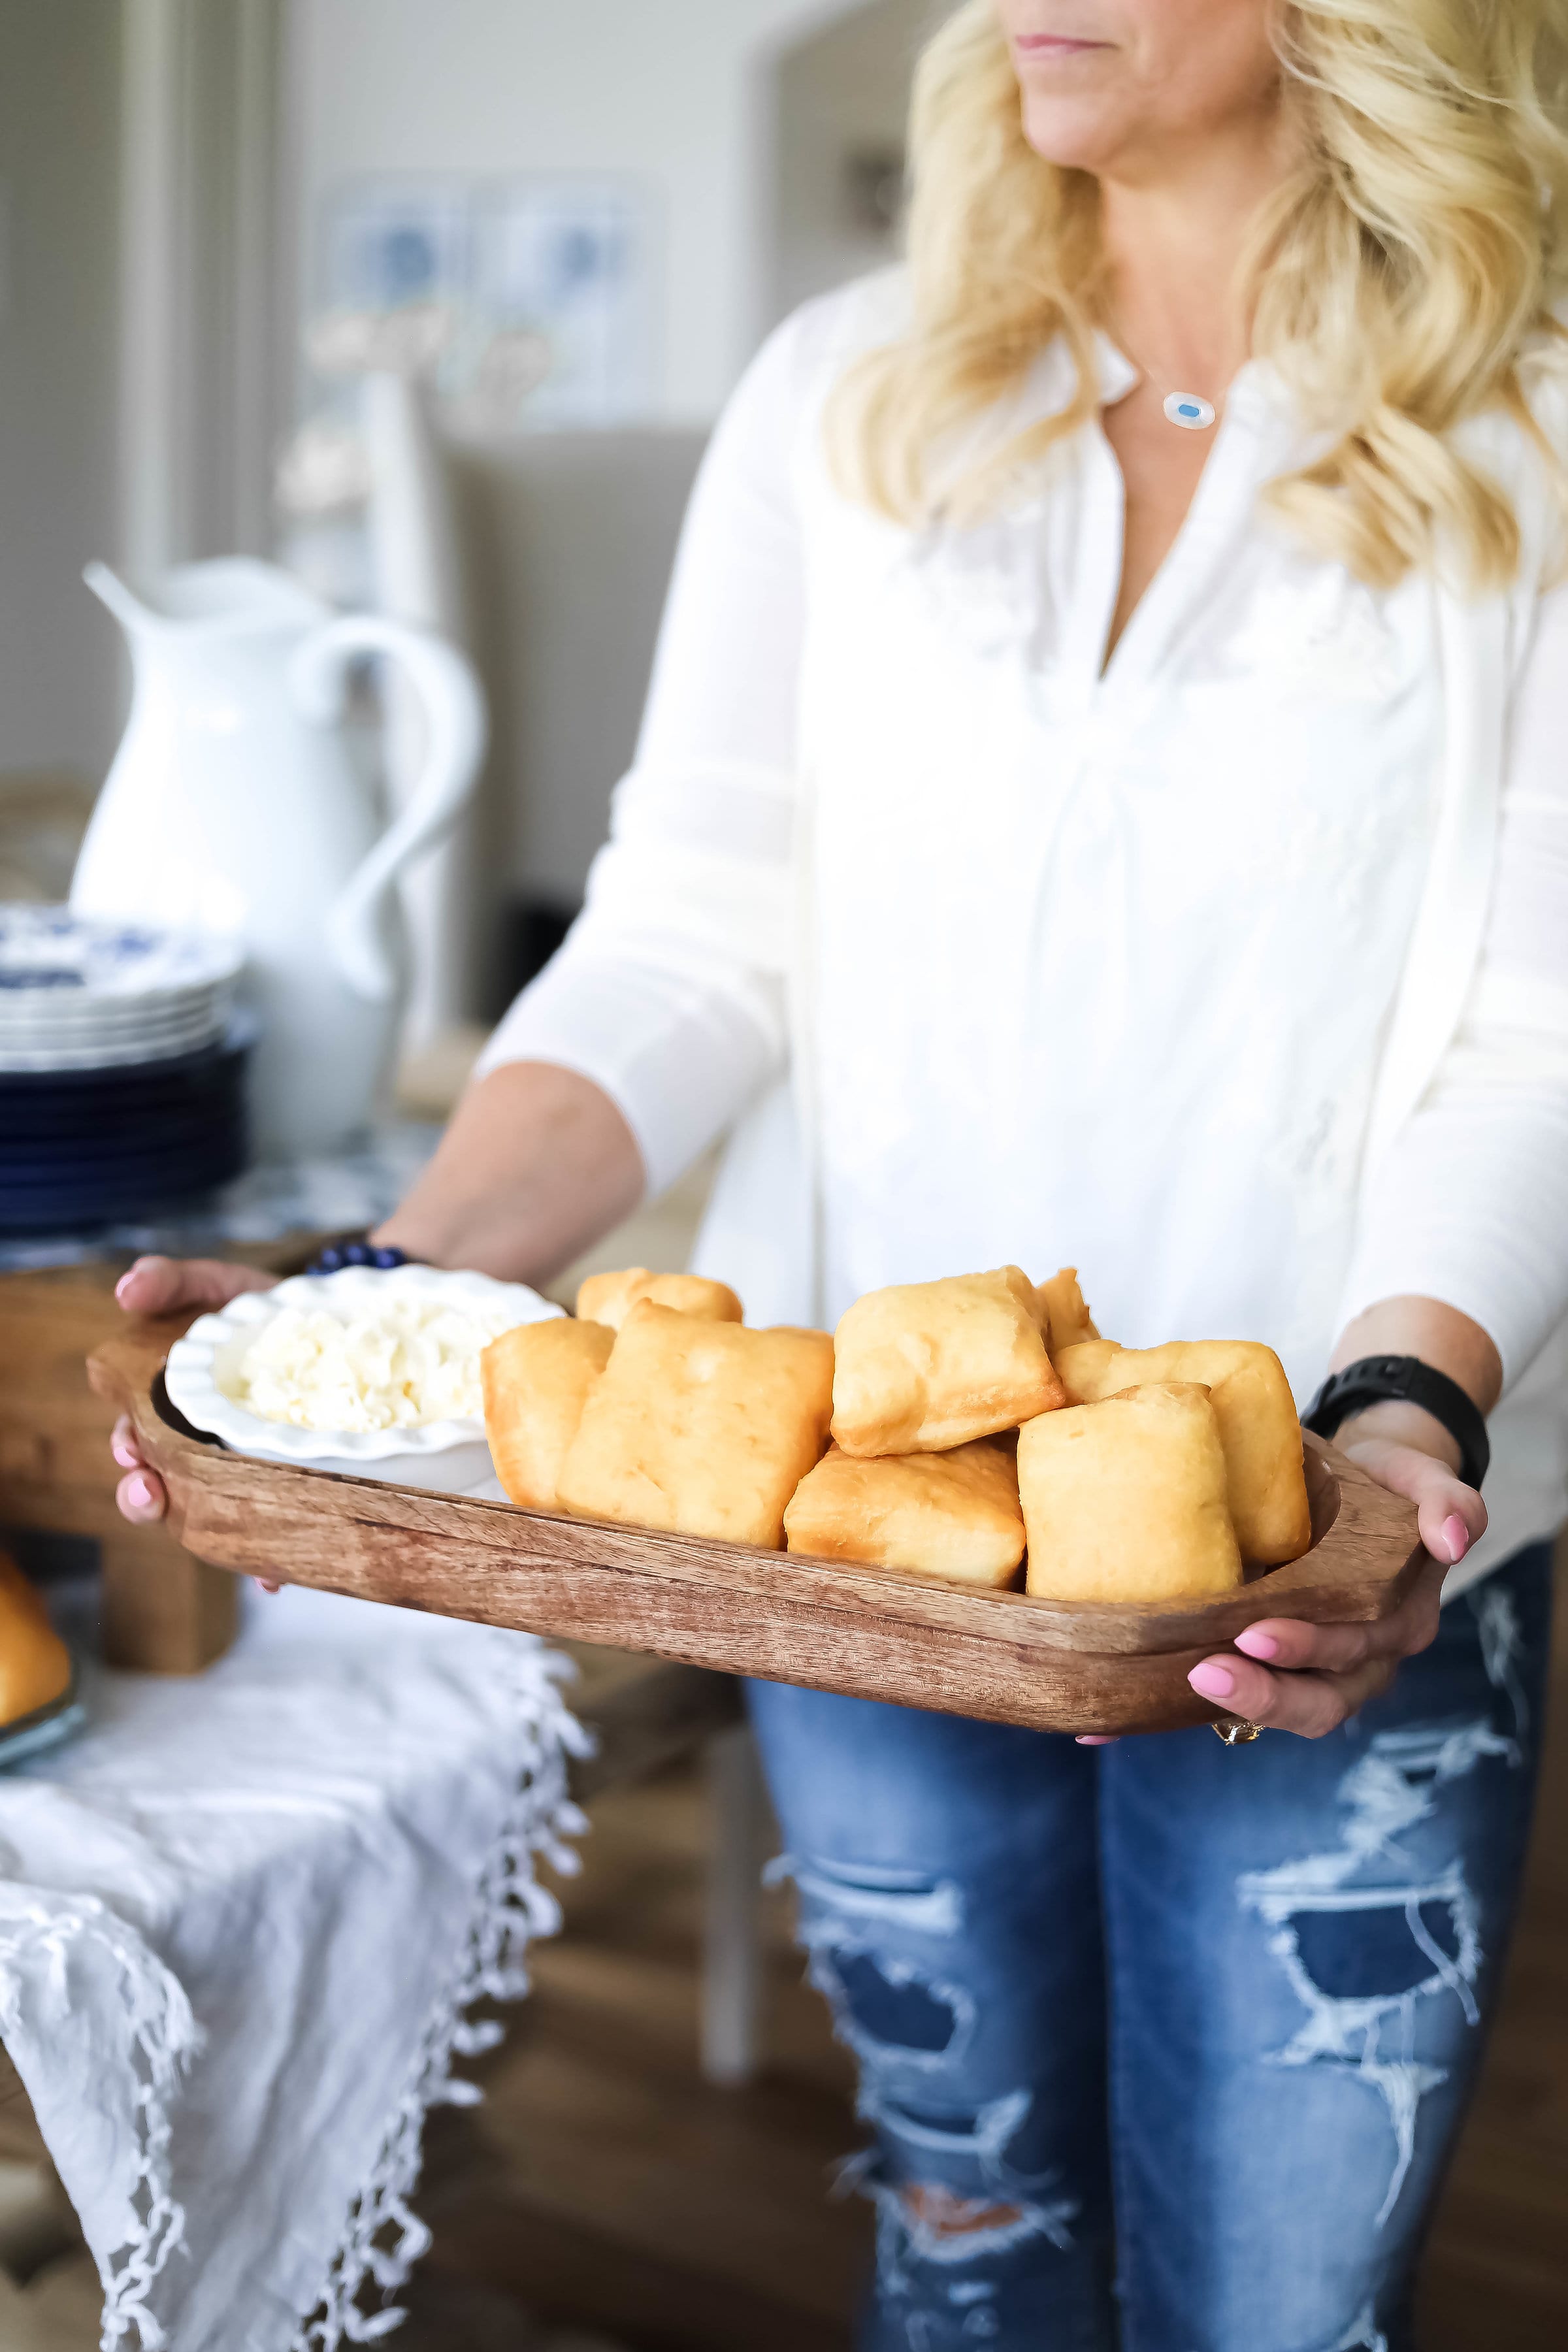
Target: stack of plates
{"type": "Point", "coordinates": [79, 995]}
{"type": "Point", "coordinates": [121, 1070]}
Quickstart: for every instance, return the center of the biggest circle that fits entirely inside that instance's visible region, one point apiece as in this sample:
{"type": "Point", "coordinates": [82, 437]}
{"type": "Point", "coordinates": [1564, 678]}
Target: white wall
{"type": "Point", "coordinates": [60, 91]}
{"type": "Point", "coordinates": [672, 90]}
{"type": "Point", "coordinates": [724, 110]}
{"type": "Point", "coordinates": [842, 89]}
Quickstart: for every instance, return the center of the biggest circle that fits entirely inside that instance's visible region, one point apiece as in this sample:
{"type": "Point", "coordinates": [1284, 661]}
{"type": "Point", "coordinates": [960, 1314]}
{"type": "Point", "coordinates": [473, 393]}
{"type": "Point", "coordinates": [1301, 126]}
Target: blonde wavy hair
{"type": "Point", "coordinates": [1397, 281]}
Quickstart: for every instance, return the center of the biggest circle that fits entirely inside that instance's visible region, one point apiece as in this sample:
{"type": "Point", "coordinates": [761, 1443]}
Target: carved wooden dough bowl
{"type": "Point", "coordinates": [1052, 1666]}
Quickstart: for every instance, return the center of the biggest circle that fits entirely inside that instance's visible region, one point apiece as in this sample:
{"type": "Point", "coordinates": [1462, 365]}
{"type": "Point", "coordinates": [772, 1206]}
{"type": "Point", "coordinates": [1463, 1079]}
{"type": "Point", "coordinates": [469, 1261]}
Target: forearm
{"type": "Point", "coordinates": [537, 1164]}
{"type": "Point", "coordinates": [1440, 1336]}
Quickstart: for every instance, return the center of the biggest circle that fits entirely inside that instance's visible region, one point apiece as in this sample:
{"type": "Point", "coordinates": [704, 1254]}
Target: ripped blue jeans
{"type": "Point", "coordinates": [1164, 2045]}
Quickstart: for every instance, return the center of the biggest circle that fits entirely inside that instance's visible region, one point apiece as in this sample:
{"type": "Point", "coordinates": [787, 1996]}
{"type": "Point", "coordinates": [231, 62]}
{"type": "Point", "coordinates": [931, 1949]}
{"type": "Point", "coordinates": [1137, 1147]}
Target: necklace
{"type": "Point", "coordinates": [1187, 409]}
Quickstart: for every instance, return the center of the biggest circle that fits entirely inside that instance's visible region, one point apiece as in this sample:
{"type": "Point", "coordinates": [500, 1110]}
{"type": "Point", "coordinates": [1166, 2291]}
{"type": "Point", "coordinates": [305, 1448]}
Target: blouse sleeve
{"type": "Point", "coordinates": [669, 991]}
{"type": "Point", "coordinates": [1470, 1205]}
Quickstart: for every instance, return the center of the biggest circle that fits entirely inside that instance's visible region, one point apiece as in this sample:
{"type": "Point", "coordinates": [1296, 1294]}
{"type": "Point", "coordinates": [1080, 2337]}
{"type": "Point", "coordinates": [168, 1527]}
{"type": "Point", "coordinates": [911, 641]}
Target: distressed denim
{"type": "Point", "coordinates": [1164, 2046]}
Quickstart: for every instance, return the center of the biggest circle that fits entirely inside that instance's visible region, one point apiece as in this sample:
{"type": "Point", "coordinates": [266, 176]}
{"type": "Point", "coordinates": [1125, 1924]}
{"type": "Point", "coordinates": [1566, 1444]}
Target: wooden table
{"type": "Point", "coordinates": [164, 1611]}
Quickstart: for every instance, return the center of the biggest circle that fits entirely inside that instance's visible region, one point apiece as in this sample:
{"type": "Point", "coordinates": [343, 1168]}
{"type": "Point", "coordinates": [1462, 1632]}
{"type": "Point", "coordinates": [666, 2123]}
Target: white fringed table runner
{"type": "Point", "coordinates": [242, 1918]}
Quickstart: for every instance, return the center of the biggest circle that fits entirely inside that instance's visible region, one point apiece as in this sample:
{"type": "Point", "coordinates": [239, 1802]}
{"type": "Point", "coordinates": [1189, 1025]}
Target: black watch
{"type": "Point", "coordinates": [1407, 1380]}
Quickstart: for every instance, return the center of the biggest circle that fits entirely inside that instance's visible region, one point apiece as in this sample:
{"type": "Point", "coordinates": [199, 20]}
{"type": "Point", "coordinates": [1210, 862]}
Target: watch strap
{"type": "Point", "coordinates": [1405, 1380]}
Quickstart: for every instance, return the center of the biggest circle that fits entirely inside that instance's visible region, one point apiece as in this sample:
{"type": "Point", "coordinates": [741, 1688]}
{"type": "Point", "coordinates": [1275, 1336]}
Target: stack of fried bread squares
{"type": "Point", "coordinates": [948, 1430]}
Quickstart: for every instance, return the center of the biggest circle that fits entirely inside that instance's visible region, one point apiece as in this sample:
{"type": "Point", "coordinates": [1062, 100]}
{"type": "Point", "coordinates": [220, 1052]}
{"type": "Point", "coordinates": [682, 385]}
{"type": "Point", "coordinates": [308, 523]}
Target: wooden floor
{"type": "Point", "coordinates": [605, 2188]}
{"type": "Point", "coordinates": [602, 2183]}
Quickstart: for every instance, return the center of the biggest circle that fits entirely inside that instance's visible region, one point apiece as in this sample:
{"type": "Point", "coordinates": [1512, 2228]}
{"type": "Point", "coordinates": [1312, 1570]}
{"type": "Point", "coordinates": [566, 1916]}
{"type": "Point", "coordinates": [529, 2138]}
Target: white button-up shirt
{"type": "Point", "coordinates": [1020, 955]}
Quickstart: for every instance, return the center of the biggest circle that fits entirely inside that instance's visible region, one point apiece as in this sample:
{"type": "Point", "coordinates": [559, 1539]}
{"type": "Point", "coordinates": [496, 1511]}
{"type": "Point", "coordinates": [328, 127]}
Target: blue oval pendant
{"type": "Point", "coordinates": [1192, 415]}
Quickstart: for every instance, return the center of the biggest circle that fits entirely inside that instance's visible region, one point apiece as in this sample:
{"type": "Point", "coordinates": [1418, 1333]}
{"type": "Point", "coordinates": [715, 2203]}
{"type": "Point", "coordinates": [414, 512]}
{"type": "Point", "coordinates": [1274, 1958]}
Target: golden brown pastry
{"type": "Point", "coordinates": [705, 1429]}
{"type": "Point", "coordinates": [1125, 1500]}
{"type": "Point", "coordinates": [926, 1366]}
{"type": "Point", "coordinates": [1085, 1369]}
{"type": "Point", "coordinates": [953, 1517]}
{"type": "Point", "coordinates": [536, 1382]}
{"type": "Point", "coordinates": [610, 1298]}
{"type": "Point", "coordinates": [1067, 1319]}
{"type": "Point", "coordinates": [1257, 1428]}
{"type": "Point", "coordinates": [34, 1665]}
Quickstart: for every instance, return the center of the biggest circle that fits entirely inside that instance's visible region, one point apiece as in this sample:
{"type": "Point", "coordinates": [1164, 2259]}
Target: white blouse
{"type": "Point", "coordinates": [1008, 953]}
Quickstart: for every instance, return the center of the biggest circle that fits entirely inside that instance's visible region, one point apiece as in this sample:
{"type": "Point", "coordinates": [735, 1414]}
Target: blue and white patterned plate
{"type": "Point", "coordinates": [49, 949]}
{"type": "Point", "coordinates": [77, 994]}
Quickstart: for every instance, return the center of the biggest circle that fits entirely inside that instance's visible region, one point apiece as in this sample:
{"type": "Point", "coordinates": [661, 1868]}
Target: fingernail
{"type": "Point", "coordinates": [138, 1490]}
{"type": "Point", "coordinates": [120, 1286]}
{"type": "Point", "coordinates": [1457, 1536]}
{"type": "Point", "coordinates": [1256, 1644]}
{"type": "Point", "coordinates": [123, 1456]}
{"type": "Point", "coordinates": [1095, 1739]}
{"type": "Point", "coordinates": [1212, 1681]}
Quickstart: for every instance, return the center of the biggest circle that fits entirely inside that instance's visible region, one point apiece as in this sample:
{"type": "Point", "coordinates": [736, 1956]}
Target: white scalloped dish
{"type": "Point", "coordinates": [451, 1457]}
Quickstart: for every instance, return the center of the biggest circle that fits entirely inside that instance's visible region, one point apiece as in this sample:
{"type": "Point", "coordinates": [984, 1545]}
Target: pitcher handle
{"type": "Point", "coordinates": [456, 730]}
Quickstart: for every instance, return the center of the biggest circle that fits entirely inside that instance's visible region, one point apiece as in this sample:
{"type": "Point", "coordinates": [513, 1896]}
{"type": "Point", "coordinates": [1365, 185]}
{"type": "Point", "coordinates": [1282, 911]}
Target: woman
{"type": "Point", "coordinates": [1101, 799]}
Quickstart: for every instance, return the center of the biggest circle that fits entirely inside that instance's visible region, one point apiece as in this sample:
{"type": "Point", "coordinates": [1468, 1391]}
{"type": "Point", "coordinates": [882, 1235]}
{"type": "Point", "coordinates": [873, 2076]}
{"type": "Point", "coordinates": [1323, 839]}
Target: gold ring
{"type": "Point", "coordinates": [1234, 1730]}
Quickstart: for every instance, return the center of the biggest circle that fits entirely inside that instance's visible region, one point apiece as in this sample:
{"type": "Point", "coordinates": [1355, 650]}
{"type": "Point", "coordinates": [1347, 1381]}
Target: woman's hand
{"type": "Point", "coordinates": [163, 1286]}
{"type": "Point", "coordinates": [1311, 1678]}
{"type": "Point", "coordinates": [536, 1164]}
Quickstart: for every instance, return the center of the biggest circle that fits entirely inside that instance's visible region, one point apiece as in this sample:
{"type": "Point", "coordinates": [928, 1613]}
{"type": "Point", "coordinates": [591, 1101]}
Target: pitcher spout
{"type": "Point", "coordinates": [128, 609]}
{"type": "Point", "coordinates": [233, 596]}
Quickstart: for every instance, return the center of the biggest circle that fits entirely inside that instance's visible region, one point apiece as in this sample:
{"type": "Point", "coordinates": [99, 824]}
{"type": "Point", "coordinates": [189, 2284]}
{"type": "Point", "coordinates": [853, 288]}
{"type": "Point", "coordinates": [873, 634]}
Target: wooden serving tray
{"type": "Point", "coordinates": [1052, 1666]}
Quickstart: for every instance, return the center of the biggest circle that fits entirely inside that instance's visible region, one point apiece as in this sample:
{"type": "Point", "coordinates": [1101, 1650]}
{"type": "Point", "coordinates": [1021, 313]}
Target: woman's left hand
{"type": "Point", "coordinates": [1311, 1678]}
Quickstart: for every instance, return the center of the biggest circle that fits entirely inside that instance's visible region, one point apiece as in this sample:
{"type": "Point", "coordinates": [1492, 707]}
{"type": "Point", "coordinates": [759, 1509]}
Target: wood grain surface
{"type": "Point", "coordinates": [1052, 1666]}
{"type": "Point", "coordinates": [164, 1613]}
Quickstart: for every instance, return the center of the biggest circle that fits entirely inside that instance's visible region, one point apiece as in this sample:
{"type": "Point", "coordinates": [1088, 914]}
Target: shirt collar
{"type": "Point", "coordinates": [1118, 376]}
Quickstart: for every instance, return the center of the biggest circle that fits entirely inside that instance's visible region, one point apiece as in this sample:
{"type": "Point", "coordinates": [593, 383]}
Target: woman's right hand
{"type": "Point", "coordinates": [165, 1286]}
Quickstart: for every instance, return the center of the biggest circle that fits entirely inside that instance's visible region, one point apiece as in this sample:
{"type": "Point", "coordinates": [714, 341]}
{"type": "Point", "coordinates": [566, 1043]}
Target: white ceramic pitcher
{"type": "Point", "coordinates": [236, 805]}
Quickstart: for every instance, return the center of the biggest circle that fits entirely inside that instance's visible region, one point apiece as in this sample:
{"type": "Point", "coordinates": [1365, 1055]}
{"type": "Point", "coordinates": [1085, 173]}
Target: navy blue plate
{"type": "Point", "coordinates": [127, 1079]}
{"type": "Point", "coordinates": [96, 1147]}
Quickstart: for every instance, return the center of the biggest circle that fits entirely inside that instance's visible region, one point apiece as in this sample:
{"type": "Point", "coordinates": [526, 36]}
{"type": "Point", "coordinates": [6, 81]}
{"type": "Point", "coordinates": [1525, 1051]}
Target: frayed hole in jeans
{"type": "Point", "coordinates": [900, 2011]}
{"type": "Point", "coordinates": [938, 2210]}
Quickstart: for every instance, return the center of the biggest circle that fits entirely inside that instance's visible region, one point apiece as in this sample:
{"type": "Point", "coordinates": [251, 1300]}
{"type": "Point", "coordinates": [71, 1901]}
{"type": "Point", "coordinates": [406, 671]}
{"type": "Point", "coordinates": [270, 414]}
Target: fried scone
{"type": "Point", "coordinates": [610, 1298]}
{"type": "Point", "coordinates": [703, 1429]}
{"type": "Point", "coordinates": [536, 1382]}
{"type": "Point", "coordinates": [1257, 1428]}
{"type": "Point", "coordinates": [34, 1665]}
{"type": "Point", "coordinates": [955, 1516]}
{"type": "Point", "coordinates": [1067, 1319]}
{"type": "Point", "coordinates": [926, 1366]}
{"type": "Point", "coordinates": [1125, 1500]}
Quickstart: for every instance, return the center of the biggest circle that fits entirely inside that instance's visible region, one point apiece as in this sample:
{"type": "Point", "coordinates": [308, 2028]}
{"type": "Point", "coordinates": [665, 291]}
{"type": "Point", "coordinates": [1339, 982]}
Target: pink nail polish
{"type": "Point", "coordinates": [1256, 1644]}
{"type": "Point", "coordinates": [123, 1456]}
{"type": "Point", "coordinates": [1457, 1536]}
{"type": "Point", "coordinates": [1212, 1681]}
{"type": "Point", "coordinates": [138, 1491]}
